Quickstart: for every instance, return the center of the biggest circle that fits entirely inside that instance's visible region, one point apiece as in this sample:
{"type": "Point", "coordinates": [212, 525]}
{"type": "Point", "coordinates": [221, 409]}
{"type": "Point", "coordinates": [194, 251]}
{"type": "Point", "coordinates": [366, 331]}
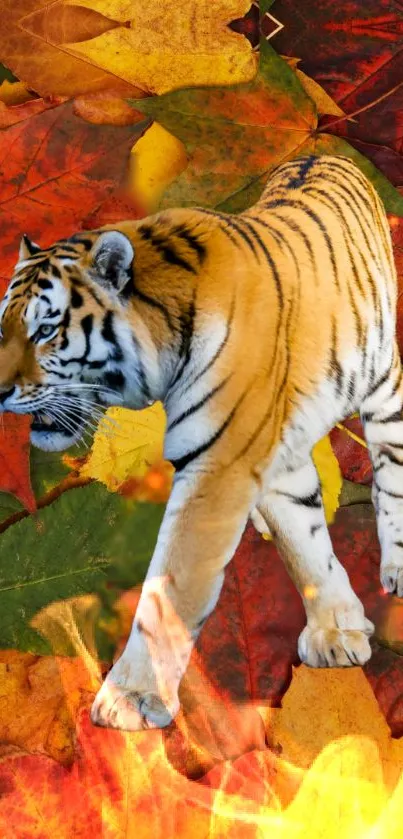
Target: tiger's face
{"type": "Point", "coordinates": [67, 348]}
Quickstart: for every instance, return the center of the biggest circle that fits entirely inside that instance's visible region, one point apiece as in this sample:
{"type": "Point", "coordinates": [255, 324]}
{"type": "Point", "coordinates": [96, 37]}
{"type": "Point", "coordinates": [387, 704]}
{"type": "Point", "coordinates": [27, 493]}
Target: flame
{"type": "Point", "coordinates": [130, 780]}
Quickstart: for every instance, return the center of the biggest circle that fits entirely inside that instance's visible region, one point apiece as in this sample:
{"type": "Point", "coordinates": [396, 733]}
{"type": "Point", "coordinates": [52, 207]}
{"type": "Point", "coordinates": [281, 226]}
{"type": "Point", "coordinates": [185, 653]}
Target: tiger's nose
{"type": "Point", "coordinates": [6, 392]}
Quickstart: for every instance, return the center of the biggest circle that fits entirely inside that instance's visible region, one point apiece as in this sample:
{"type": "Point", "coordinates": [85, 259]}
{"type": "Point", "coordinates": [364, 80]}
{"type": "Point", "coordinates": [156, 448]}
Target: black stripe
{"type": "Point", "coordinates": [270, 260]}
{"type": "Point", "coordinates": [351, 386]}
{"type": "Point", "coordinates": [378, 384]}
{"type": "Point", "coordinates": [312, 500]}
{"type": "Point", "coordinates": [150, 301]}
{"type": "Point", "coordinates": [277, 390]}
{"type": "Point", "coordinates": [142, 376]}
{"type": "Point", "coordinates": [315, 528]}
{"type": "Point", "coordinates": [353, 209]}
{"type": "Point", "coordinates": [56, 272]}
{"type": "Point", "coordinates": [65, 325]}
{"type": "Point", "coordinates": [299, 179]}
{"type": "Point", "coordinates": [186, 321]}
{"type": "Point", "coordinates": [218, 350]}
{"type": "Point", "coordinates": [68, 249]}
{"type": "Point", "coordinates": [75, 281]}
{"type": "Point", "coordinates": [249, 241]}
{"type": "Point", "coordinates": [336, 370]}
{"type": "Point", "coordinates": [86, 243]}
{"type": "Point", "coordinates": [222, 217]}
{"type": "Point", "coordinates": [165, 248]}
{"type": "Point", "coordinates": [370, 278]}
{"type": "Point", "coordinates": [109, 335]}
{"type": "Point", "coordinates": [278, 235]}
{"type": "Point", "coordinates": [391, 457]}
{"type": "Point", "coordinates": [199, 404]}
{"type": "Point", "coordinates": [114, 379]}
{"type": "Point", "coordinates": [181, 462]}
{"type": "Point", "coordinates": [87, 326]}
{"type": "Point", "coordinates": [42, 283]}
{"type": "Point", "coordinates": [335, 207]}
{"type": "Point", "coordinates": [76, 299]}
{"type": "Point", "coordinates": [16, 283]}
{"type": "Point", "coordinates": [292, 202]}
{"type": "Point", "coordinates": [191, 239]}
{"type": "Point", "coordinates": [387, 492]}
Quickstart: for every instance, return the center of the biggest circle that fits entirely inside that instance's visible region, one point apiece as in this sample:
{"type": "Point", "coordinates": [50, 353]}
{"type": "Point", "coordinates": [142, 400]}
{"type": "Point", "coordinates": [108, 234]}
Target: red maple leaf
{"type": "Point", "coordinates": [354, 50]}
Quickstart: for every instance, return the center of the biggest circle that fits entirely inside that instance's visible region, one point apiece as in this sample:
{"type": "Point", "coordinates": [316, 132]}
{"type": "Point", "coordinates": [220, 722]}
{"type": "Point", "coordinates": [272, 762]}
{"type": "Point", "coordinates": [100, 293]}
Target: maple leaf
{"type": "Point", "coordinates": [354, 51]}
{"type": "Point", "coordinates": [71, 48]}
{"type": "Point", "coordinates": [259, 124]}
{"type": "Point", "coordinates": [59, 169]}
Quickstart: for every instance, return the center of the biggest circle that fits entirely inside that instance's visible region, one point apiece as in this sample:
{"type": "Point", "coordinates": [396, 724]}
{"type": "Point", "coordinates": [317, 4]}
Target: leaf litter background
{"type": "Point", "coordinates": [109, 110]}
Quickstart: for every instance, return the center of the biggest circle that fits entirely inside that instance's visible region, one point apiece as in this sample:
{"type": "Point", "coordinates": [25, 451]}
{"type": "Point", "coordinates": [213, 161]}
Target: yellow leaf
{"type": "Point", "coordinates": [126, 449]}
{"type": "Point", "coordinates": [163, 46]}
{"type": "Point", "coordinates": [330, 476]}
{"type": "Point", "coordinates": [156, 160]}
{"type": "Point", "coordinates": [14, 93]}
{"type": "Point", "coordinates": [325, 706]}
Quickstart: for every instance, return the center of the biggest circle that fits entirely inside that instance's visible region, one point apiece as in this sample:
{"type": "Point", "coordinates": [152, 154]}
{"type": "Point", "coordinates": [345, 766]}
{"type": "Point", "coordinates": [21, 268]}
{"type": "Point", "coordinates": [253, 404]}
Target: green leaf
{"type": "Point", "coordinates": [234, 136]}
{"type": "Point", "coordinates": [84, 539]}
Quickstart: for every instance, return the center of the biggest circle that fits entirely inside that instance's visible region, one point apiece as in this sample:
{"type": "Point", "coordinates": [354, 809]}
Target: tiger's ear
{"type": "Point", "coordinates": [27, 248]}
{"type": "Point", "coordinates": [111, 258]}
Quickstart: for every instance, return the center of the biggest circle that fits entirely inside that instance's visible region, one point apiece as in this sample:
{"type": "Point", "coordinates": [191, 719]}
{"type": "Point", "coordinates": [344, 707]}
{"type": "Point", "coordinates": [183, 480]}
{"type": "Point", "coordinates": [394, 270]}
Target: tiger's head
{"type": "Point", "coordinates": [67, 345]}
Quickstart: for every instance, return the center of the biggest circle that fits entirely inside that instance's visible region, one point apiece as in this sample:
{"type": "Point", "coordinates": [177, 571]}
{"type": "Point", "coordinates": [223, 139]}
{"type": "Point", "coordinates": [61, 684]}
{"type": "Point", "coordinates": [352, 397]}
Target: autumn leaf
{"type": "Point", "coordinates": [125, 445]}
{"type": "Point", "coordinates": [12, 114]}
{"type": "Point", "coordinates": [259, 124]}
{"type": "Point", "coordinates": [68, 49]}
{"type": "Point", "coordinates": [157, 159]}
{"type": "Point", "coordinates": [59, 168]}
{"type": "Point", "coordinates": [354, 51]}
{"type": "Point", "coordinates": [14, 459]}
{"type": "Point", "coordinates": [36, 712]}
{"type": "Point", "coordinates": [323, 102]}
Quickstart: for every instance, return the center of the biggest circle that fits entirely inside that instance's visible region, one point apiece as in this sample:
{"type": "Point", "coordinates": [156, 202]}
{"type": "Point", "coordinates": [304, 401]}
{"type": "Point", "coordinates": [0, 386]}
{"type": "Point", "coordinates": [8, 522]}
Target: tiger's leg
{"type": "Point", "coordinates": [336, 634]}
{"type": "Point", "coordinates": [203, 523]}
{"type": "Point", "coordinates": [382, 418]}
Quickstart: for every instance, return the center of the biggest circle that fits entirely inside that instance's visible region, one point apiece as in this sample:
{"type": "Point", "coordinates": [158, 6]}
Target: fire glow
{"type": "Point", "coordinates": [129, 784]}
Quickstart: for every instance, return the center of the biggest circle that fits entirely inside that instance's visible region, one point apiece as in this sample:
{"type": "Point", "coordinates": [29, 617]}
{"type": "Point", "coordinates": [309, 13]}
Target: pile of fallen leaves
{"type": "Point", "coordinates": [111, 110]}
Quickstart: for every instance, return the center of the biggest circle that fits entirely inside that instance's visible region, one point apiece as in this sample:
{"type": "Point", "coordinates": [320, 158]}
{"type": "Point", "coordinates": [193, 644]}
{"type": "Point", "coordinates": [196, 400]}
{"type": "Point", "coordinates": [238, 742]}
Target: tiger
{"type": "Point", "coordinates": [258, 331]}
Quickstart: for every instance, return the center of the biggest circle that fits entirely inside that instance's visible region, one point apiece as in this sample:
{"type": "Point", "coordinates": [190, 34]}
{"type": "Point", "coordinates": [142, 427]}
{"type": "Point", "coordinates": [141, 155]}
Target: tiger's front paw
{"type": "Point", "coordinates": [131, 705]}
{"type": "Point", "coordinates": [332, 647]}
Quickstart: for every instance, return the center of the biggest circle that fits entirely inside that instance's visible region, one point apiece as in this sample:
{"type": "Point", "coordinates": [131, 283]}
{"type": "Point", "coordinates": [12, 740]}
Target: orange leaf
{"type": "Point", "coordinates": [106, 108]}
